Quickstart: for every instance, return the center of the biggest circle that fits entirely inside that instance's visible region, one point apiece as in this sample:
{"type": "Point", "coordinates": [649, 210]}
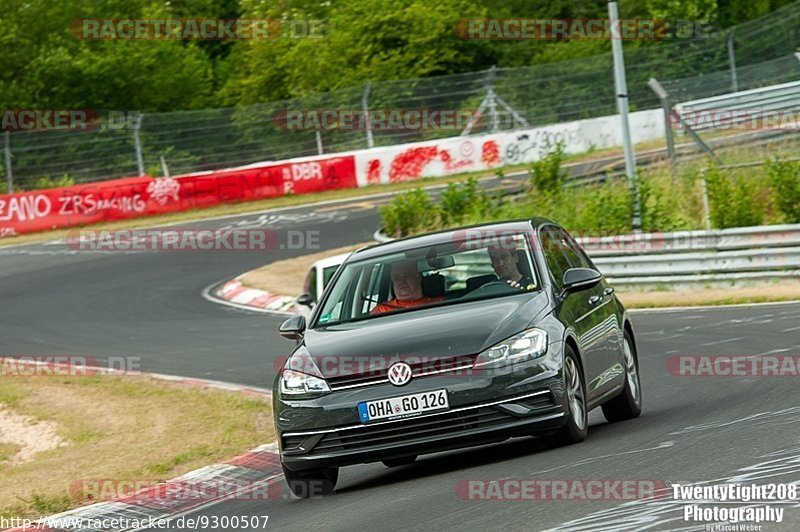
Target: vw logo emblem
{"type": "Point", "coordinates": [399, 373]}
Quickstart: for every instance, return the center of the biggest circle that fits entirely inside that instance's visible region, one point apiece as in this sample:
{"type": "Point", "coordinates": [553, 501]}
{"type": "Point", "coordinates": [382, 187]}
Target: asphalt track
{"type": "Point", "coordinates": [58, 301]}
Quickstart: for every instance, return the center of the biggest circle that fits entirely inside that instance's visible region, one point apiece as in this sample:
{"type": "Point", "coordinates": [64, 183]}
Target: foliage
{"type": "Point", "coordinates": [547, 176]}
{"type": "Point", "coordinates": [45, 66]}
{"type": "Point", "coordinates": [784, 178]}
{"type": "Point", "coordinates": [733, 201]}
{"type": "Point", "coordinates": [670, 202]}
{"type": "Point", "coordinates": [461, 202]}
{"type": "Point", "coordinates": [408, 213]}
{"type": "Point", "coordinates": [47, 182]}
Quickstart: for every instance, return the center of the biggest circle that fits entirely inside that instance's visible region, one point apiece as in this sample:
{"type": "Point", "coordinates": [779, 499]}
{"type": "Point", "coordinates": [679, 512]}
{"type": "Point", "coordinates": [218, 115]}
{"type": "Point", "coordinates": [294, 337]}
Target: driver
{"type": "Point", "coordinates": [407, 286]}
{"type": "Point", "coordinates": [506, 265]}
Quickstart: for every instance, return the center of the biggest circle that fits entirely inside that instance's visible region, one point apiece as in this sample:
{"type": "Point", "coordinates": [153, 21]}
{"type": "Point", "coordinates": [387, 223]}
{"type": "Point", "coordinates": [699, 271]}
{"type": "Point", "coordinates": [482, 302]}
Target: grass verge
{"type": "Point", "coordinates": [121, 428]}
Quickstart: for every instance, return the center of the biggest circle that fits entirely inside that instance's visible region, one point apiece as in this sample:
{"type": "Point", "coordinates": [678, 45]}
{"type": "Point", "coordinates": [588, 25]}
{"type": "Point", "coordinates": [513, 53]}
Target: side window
{"type": "Point", "coordinates": [578, 257]}
{"type": "Point", "coordinates": [555, 250]}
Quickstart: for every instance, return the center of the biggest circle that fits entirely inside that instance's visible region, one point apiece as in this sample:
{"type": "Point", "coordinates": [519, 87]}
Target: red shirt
{"type": "Point", "coordinates": [395, 304]}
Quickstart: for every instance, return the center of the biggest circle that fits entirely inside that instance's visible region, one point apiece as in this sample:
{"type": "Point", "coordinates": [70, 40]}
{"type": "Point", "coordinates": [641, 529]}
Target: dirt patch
{"type": "Point", "coordinates": [27, 435]}
{"type": "Point", "coordinates": [119, 428]}
{"type": "Point", "coordinates": [285, 277]}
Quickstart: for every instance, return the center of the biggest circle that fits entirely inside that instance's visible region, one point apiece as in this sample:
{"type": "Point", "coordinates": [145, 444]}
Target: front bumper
{"type": "Point", "coordinates": [484, 408]}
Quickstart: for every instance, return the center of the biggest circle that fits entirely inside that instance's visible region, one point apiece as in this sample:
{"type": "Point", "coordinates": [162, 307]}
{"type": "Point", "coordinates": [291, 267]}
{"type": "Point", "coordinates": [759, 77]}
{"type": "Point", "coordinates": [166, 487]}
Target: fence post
{"type": "Point", "coordinates": [164, 167]}
{"type": "Point", "coordinates": [319, 142]}
{"type": "Point", "coordinates": [365, 110]}
{"type": "Point", "coordinates": [732, 59]}
{"type": "Point", "coordinates": [137, 143]}
{"type": "Point", "coordinates": [706, 208]}
{"type": "Point", "coordinates": [9, 174]}
{"type": "Point", "coordinates": [621, 87]}
{"type": "Point", "coordinates": [491, 98]}
{"type": "Point", "coordinates": [656, 87]}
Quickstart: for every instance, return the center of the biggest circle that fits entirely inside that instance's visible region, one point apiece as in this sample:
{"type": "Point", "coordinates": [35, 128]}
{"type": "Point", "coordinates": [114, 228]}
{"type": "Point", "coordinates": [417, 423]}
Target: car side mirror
{"type": "Point", "coordinates": [293, 328]}
{"type": "Point", "coordinates": [577, 279]}
{"type": "Point", "coordinates": [305, 299]}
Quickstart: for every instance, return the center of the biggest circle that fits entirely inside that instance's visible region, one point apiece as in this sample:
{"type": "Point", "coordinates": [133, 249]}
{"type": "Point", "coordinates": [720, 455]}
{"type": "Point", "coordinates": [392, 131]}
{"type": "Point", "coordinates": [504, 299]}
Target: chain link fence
{"type": "Point", "coordinates": [759, 52]}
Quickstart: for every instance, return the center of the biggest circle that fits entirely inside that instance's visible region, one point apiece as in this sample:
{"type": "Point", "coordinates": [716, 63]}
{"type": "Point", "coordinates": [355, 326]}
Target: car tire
{"type": "Point", "coordinates": [397, 462]}
{"type": "Point", "coordinates": [576, 427]}
{"type": "Point", "coordinates": [628, 404]}
{"type": "Point", "coordinates": [311, 483]}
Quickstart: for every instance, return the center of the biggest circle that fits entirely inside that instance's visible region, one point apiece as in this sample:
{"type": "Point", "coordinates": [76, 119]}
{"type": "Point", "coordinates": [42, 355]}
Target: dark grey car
{"type": "Point", "coordinates": [473, 358]}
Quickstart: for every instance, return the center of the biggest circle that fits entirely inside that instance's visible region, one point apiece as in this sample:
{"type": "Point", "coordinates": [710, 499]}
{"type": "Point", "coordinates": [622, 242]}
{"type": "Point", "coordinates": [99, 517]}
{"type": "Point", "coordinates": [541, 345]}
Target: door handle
{"type": "Point", "coordinates": [608, 291]}
{"type": "Point", "coordinates": [594, 300]}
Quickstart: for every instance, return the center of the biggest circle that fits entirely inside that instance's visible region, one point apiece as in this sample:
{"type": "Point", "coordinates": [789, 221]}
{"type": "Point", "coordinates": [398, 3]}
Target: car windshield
{"type": "Point", "coordinates": [443, 274]}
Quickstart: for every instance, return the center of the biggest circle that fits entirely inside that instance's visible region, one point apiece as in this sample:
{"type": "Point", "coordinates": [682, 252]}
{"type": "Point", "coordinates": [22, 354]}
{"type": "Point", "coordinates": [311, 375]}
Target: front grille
{"type": "Point", "coordinates": [409, 430]}
{"type": "Point", "coordinates": [419, 368]}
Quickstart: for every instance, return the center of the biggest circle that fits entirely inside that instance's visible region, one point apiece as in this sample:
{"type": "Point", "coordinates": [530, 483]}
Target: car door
{"type": "Point", "coordinates": [583, 309]}
{"type": "Point", "coordinates": [610, 329]}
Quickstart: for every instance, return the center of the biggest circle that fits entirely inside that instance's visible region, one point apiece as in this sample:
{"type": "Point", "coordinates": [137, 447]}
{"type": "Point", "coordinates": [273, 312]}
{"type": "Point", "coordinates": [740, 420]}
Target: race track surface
{"type": "Point", "coordinates": [58, 301]}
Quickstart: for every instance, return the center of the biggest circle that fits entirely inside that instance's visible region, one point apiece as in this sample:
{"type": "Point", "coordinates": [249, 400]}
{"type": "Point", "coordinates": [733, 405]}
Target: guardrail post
{"type": "Point", "coordinates": [9, 174]}
{"type": "Point", "coordinates": [137, 143]}
{"type": "Point", "coordinates": [706, 208]}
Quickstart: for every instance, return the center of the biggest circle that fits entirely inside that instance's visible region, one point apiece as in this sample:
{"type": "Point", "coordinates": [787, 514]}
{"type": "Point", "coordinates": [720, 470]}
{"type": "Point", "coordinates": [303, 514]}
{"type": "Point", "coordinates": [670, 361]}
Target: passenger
{"type": "Point", "coordinates": [506, 265]}
{"type": "Point", "coordinates": [407, 285]}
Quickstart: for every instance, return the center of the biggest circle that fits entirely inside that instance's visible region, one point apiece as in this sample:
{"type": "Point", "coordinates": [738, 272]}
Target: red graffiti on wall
{"type": "Point", "coordinates": [409, 164]}
{"type": "Point", "coordinates": [490, 153]}
{"type": "Point", "coordinates": [450, 165]}
{"type": "Point", "coordinates": [374, 171]}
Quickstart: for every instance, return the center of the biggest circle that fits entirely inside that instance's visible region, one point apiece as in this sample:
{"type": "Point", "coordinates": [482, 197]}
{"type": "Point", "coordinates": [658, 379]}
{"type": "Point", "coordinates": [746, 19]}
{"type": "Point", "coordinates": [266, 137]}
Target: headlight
{"type": "Point", "coordinates": [300, 376]}
{"type": "Point", "coordinates": [525, 345]}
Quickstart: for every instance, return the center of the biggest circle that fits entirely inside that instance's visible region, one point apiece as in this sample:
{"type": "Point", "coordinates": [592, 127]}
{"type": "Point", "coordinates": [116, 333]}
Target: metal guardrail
{"type": "Point", "coordinates": [692, 257]}
{"type": "Point", "coordinates": [716, 111]}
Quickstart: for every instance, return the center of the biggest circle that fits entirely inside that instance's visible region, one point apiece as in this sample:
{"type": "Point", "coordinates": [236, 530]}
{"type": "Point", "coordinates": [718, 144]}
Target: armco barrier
{"type": "Point", "coordinates": [691, 257]}
{"type": "Point", "coordinates": [142, 196]}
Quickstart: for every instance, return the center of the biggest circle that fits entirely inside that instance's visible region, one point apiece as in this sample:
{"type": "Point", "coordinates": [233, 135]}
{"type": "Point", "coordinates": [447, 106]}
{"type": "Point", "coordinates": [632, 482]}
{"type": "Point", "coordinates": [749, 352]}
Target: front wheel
{"type": "Point", "coordinates": [576, 427]}
{"type": "Point", "coordinates": [311, 483]}
{"type": "Point", "coordinates": [628, 405]}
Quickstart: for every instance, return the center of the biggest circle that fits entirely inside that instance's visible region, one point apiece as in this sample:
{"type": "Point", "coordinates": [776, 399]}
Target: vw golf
{"type": "Point", "coordinates": [449, 340]}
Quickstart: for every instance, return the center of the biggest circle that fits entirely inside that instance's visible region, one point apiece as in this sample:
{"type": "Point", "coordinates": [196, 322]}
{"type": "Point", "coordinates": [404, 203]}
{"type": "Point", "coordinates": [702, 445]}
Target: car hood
{"type": "Point", "coordinates": [447, 331]}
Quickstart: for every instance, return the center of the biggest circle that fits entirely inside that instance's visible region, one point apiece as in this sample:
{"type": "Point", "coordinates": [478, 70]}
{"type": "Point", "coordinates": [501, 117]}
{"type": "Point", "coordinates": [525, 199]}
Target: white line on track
{"type": "Point", "coordinates": [726, 341]}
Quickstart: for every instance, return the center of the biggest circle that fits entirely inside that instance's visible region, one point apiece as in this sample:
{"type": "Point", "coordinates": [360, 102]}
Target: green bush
{"type": "Point", "coordinates": [462, 203]}
{"type": "Point", "coordinates": [733, 200]}
{"type": "Point", "coordinates": [784, 179]}
{"type": "Point", "coordinates": [409, 213]}
{"type": "Point", "coordinates": [670, 202]}
{"type": "Point", "coordinates": [48, 182]}
{"type": "Point", "coordinates": [547, 176]}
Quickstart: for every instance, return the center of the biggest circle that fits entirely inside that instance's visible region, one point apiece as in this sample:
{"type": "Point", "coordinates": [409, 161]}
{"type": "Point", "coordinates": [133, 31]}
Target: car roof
{"type": "Point", "coordinates": [445, 236]}
{"type": "Point", "coordinates": [331, 261]}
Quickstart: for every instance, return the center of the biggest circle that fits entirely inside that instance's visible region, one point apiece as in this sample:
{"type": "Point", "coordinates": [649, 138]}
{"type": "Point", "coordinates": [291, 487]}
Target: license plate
{"type": "Point", "coordinates": [403, 406]}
